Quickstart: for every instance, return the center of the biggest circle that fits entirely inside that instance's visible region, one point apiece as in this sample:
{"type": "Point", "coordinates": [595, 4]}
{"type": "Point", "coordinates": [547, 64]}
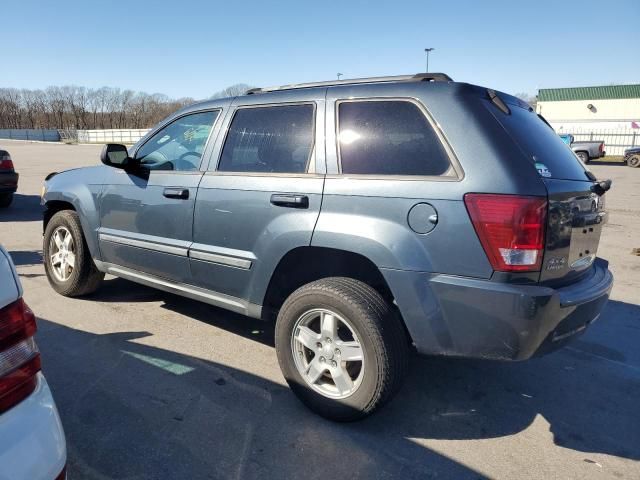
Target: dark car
{"type": "Point", "coordinates": [632, 157]}
{"type": "Point", "coordinates": [8, 179]}
{"type": "Point", "coordinates": [367, 217]}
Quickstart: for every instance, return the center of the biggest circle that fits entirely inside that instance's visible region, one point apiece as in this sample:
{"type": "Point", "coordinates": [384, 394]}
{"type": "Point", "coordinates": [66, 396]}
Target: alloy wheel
{"type": "Point", "coordinates": [328, 353]}
{"type": "Point", "coordinates": [62, 255]}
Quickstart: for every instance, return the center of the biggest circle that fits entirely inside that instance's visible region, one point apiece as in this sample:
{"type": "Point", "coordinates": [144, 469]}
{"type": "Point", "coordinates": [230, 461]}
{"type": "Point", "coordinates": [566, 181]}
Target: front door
{"type": "Point", "coordinates": [146, 219]}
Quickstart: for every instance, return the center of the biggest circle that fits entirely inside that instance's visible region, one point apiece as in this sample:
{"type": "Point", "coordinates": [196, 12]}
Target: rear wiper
{"type": "Point", "coordinates": [601, 187]}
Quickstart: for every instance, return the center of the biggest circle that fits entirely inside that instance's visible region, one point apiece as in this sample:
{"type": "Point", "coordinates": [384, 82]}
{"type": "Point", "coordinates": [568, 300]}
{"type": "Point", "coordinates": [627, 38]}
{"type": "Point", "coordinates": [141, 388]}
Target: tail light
{"type": "Point", "coordinates": [19, 355]}
{"type": "Point", "coordinates": [601, 148]}
{"type": "Point", "coordinates": [511, 229]}
{"type": "Point", "coordinates": [5, 161]}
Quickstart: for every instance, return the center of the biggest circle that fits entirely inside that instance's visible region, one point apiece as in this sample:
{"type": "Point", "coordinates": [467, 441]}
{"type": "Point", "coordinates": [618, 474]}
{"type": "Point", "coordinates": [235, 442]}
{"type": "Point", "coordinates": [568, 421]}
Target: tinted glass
{"type": "Point", "coordinates": [538, 140]}
{"type": "Point", "coordinates": [269, 139]}
{"type": "Point", "coordinates": [388, 138]}
{"type": "Point", "coordinates": [179, 145]}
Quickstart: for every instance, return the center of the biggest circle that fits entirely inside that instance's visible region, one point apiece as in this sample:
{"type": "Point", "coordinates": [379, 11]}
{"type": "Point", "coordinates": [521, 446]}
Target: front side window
{"type": "Point", "coordinates": [389, 138]}
{"type": "Point", "coordinates": [179, 145]}
{"type": "Point", "coordinates": [276, 139]}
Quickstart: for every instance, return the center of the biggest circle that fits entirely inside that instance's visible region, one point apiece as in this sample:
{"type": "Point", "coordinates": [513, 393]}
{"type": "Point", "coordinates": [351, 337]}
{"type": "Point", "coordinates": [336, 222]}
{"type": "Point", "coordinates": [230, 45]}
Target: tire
{"type": "Point", "coordinates": [633, 161]}
{"type": "Point", "coordinates": [84, 277]}
{"type": "Point", "coordinates": [5, 199]}
{"type": "Point", "coordinates": [364, 318]}
{"type": "Point", "coordinates": [583, 156]}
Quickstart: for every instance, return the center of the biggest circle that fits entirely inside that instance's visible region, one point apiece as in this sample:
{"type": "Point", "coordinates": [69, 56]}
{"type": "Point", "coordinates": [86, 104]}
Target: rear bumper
{"type": "Point", "coordinates": [8, 182]}
{"type": "Point", "coordinates": [465, 317]}
{"type": "Point", "coordinates": [32, 443]}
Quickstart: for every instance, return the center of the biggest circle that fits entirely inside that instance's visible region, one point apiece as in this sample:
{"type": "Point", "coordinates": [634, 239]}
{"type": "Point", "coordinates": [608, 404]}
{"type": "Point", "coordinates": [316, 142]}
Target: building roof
{"type": "Point", "coordinates": [606, 92]}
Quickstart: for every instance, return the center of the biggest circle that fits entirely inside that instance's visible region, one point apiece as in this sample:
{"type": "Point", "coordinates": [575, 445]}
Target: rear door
{"type": "Point", "coordinates": [261, 196]}
{"type": "Point", "coordinates": [576, 212]}
{"type": "Point", "coordinates": [146, 219]}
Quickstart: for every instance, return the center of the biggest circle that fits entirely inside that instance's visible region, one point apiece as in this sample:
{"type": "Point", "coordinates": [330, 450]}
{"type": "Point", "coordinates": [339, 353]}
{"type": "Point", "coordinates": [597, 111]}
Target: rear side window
{"type": "Point", "coordinates": [390, 137]}
{"type": "Point", "coordinates": [551, 156]}
{"type": "Point", "coordinates": [276, 139]}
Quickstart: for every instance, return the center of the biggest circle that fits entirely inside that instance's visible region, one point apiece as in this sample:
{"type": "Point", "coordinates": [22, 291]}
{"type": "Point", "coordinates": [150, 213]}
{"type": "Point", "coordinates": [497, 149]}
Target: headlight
{"type": "Point", "coordinates": [43, 190]}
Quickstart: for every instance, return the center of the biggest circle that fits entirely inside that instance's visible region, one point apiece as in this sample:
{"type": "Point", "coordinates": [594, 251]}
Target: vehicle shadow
{"type": "Point", "coordinates": [25, 208]}
{"type": "Point", "coordinates": [119, 290]}
{"type": "Point", "coordinates": [620, 163]}
{"type": "Point", "coordinates": [134, 411]}
{"type": "Point", "coordinates": [587, 392]}
{"type": "Point", "coordinates": [26, 257]}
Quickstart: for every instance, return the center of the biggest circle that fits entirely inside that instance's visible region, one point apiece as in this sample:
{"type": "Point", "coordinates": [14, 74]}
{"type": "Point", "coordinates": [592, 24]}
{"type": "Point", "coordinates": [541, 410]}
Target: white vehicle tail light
{"type": "Point", "coordinates": [511, 229]}
{"type": "Point", "coordinates": [19, 355]}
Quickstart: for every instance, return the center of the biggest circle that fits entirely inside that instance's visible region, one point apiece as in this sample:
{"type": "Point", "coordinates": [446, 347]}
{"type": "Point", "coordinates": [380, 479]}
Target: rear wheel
{"type": "Point", "coordinates": [341, 348]}
{"type": "Point", "coordinates": [67, 260]}
{"type": "Point", "coordinates": [634, 161]}
{"type": "Point", "coordinates": [5, 199]}
{"type": "Point", "coordinates": [583, 156]}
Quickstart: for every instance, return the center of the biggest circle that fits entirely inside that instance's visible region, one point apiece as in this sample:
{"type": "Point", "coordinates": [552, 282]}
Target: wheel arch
{"type": "Point", "coordinates": [303, 265]}
{"type": "Point", "coordinates": [61, 203]}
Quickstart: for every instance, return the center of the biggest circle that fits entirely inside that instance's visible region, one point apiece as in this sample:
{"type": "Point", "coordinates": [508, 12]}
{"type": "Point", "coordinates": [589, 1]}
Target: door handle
{"type": "Point", "coordinates": [182, 193]}
{"type": "Point", "coordinates": [291, 201]}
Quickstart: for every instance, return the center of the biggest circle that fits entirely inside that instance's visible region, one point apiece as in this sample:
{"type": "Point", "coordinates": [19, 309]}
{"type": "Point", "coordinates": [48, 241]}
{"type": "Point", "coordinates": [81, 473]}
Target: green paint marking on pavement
{"type": "Point", "coordinates": [175, 368]}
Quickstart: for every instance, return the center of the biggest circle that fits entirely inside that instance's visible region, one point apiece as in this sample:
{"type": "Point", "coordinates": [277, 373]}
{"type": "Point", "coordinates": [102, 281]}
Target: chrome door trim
{"type": "Point", "coordinates": [220, 259]}
{"type": "Point", "coordinates": [229, 257]}
{"type": "Point", "coordinates": [132, 242]}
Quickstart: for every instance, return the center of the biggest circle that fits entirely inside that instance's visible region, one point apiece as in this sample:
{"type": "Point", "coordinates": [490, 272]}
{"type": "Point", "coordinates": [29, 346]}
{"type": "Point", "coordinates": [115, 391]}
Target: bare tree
{"type": "Point", "coordinates": [232, 91]}
{"type": "Point", "coordinates": [530, 99]}
{"type": "Point", "coordinates": [75, 107]}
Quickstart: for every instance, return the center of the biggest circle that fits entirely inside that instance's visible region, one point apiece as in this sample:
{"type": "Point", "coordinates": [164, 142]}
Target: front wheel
{"type": "Point", "coordinates": [341, 347]}
{"type": "Point", "coordinates": [633, 161]}
{"type": "Point", "coordinates": [67, 260]}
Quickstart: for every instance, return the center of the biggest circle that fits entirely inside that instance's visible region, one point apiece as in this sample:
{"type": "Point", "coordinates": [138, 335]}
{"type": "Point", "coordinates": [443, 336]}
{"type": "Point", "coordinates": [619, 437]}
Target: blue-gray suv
{"type": "Point", "coordinates": [368, 217]}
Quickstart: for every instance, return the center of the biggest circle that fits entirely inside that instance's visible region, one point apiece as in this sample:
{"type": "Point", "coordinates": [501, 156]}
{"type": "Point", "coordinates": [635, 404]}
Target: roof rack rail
{"type": "Point", "coordinates": [419, 77]}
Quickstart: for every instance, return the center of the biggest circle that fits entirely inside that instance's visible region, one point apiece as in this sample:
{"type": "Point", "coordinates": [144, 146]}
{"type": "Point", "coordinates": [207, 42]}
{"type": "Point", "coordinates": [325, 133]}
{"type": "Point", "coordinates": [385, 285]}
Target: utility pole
{"type": "Point", "coordinates": [428, 50]}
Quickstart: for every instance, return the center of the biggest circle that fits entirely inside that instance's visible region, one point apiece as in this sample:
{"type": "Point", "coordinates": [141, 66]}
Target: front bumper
{"type": "Point", "coordinates": [8, 182]}
{"type": "Point", "coordinates": [32, 443]}
{"type": "Point", "coordinates": [465, 317]}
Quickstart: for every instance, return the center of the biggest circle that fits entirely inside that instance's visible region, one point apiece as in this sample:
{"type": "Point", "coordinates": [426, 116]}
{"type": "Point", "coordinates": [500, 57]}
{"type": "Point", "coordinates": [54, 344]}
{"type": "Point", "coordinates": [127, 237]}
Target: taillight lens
{"type": "Point", "coordinates": [5, 162]}
{"type": "Point", "coordinates": [19, 355]}
{"type": "Point", "coordinates": [511, 229]}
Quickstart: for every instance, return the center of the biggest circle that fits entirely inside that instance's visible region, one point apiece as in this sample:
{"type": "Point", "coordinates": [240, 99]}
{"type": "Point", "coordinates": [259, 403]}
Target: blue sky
{"type": "Point", "coordinates": [195, 48]}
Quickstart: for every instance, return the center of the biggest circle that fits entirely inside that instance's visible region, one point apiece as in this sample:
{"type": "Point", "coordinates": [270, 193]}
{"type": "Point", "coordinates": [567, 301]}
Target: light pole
{"type": "Point", "coordinates": [428, 50]}
{"type": "Point", "coordinates": [339, 75]}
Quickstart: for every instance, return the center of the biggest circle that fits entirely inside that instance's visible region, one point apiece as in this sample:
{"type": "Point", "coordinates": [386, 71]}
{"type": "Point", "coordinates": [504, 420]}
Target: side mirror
{"type": "Point", "coordinates": [115, 155]}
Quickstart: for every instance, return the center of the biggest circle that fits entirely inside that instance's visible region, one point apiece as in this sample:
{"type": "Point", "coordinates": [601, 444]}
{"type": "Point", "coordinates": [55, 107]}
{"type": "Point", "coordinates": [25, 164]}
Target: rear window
{"type": "Point", "coordinates": [388, 138]}
{"type": "Point", "coordinates": [553, 158]}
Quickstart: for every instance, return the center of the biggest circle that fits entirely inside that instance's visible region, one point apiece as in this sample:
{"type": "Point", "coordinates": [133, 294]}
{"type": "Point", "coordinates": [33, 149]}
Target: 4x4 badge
{"type": "Point", "coordinates": [556, 263]}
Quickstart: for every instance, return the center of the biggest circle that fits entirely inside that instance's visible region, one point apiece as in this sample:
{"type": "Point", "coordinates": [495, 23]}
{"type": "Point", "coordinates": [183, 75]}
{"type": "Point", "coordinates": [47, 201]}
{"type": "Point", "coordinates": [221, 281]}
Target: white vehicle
{"type": "Point", "coordinates": [32, 444]}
